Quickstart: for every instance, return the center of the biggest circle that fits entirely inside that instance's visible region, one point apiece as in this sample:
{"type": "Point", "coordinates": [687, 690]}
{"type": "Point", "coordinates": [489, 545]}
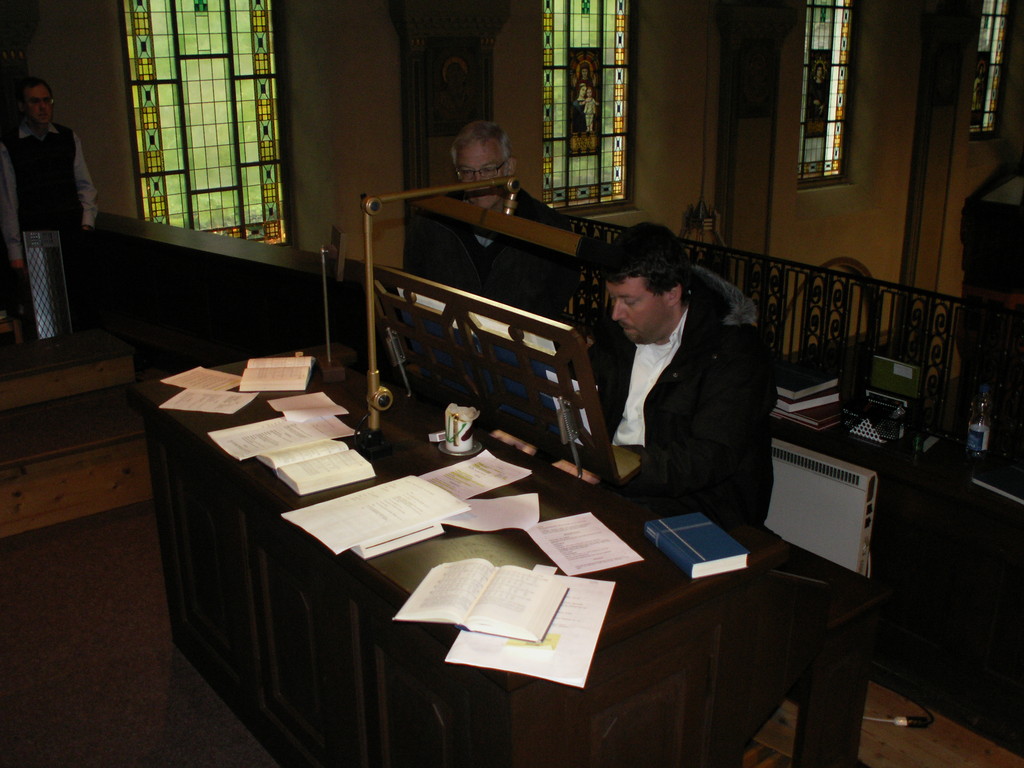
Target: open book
{"type": "Point", "coordinates": [277, 374]}
{"type": "Point", "coordinates": [317, 466]}
{"type": "Point", "coordinates": [475, 595]}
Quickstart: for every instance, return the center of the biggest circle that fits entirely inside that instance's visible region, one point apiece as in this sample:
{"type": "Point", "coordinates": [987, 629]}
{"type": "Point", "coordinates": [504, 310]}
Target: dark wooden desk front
{"type": "Point", "coordinates": [301, 643]}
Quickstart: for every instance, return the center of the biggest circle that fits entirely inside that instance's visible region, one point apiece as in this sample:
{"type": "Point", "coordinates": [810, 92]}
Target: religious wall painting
{"type": "Point", "coordinates": [584, 92]}
{"type": "Point", "coordinates": [818, 89]}
{"type": "Point", "coordinates": [454, 95]}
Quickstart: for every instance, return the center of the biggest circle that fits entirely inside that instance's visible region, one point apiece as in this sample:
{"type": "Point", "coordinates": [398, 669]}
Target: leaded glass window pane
{"type": "Point", "coordinates": [825, 87]}
{"type": "Point", "coordinates": [203, 93]}
{"type": "Point", "coordinates": [585, 96]}
{"type": "Point", "coordinates": [988, 70]}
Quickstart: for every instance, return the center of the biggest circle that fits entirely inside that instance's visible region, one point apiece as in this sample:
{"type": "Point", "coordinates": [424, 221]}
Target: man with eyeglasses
{"type": "Point", "coordinates": [44, 181]}
{"type": "Point", "coordinates": [486, 263]}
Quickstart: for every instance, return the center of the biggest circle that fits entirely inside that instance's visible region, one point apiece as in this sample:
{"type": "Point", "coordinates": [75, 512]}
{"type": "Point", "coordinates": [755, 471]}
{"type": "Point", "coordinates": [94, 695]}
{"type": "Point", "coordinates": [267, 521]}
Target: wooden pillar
{"type": "Point", "coordinates": [938, 120]}
{"type": "Point", "coordinates": [447, 49]}
{"type": "Point", "coordinates": [752, 36]}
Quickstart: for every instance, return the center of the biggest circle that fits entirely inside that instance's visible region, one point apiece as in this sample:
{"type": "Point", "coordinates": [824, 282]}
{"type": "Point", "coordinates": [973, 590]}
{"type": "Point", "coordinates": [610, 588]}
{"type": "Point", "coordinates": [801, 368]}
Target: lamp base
{"type": "Point", "coordinates": [372, 445]}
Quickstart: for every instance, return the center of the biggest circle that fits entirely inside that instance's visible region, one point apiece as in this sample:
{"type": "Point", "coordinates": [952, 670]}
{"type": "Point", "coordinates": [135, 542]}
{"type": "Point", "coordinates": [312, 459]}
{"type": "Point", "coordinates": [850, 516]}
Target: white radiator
{"type": "Point", "coordinates": [824, 505]}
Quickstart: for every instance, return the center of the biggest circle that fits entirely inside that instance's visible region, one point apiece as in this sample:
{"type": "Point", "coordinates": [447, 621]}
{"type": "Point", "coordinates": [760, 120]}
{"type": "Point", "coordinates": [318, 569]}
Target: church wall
{"type": "Point", "coordinates": [862, 218]}
{"type": "Point", "coordinates": [77, 48]}
{"type": "Point", "coordinates": [339, 75]}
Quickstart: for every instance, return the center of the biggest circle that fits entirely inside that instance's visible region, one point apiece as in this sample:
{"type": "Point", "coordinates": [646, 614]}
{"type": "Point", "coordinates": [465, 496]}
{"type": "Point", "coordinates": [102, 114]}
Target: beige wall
{"type": "Point", "coordinates": [862, 219]}
{"type": "Point", "coordinates": [77, 48]}
{"type": "Point", "coordinates": [340, 84]}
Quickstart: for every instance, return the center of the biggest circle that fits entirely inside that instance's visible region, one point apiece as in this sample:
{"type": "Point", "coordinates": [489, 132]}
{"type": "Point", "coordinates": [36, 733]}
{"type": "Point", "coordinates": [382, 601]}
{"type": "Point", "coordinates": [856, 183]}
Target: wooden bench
{"type": "Point", "coordinates": [71, 444]}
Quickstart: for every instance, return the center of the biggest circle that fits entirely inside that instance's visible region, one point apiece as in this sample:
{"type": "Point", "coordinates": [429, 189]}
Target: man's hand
{"type": "Point", "coordinates": [515, 442]}
{"type": "Point", "coordinates": [570, 468]}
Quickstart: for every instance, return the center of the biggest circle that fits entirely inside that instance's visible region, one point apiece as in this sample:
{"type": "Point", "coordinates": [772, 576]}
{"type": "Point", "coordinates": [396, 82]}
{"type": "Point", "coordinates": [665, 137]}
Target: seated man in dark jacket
{"type": "Point", "coordinates": [685, 380]}
{"type": "Point", "coordinates": [485, 263]}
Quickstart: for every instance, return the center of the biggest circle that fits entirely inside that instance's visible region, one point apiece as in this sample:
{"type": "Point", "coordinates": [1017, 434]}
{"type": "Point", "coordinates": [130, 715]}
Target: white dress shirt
{"type": "Point", "coordinates": [648, 363]}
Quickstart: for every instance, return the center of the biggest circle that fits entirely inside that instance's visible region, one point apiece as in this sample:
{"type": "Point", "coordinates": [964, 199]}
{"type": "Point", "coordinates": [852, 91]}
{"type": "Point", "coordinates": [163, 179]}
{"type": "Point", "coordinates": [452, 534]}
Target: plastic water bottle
{"type": "Point", "coordinates": [980, 426]}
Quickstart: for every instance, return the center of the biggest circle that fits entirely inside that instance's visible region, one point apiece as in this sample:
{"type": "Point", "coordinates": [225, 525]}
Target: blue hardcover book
{"type": "Point", "coordinates": [696, 544]}
{"type": "Point", "coordinates": [1007, 481]}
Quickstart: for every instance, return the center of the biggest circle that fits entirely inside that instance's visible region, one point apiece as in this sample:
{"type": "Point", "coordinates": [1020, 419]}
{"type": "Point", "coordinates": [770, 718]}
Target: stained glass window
{"type": "Point", "coordinates": [203, 96]}
{"type": "Point", "coordinates": [826, 75]}
{"type": "Point", "coordinates": [988, 70]}
{"type": "Point", "coordinates": [586, 68]}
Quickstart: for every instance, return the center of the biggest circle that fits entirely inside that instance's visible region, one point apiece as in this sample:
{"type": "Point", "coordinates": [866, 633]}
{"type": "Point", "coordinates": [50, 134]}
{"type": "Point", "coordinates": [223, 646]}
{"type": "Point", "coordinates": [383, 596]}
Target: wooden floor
{"type": "Point", "coordinates": [943, 744]}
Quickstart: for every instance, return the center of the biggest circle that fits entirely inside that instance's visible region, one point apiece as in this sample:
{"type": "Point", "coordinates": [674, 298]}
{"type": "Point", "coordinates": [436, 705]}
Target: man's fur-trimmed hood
{"type": "Point", "coordinates": [741, 309]}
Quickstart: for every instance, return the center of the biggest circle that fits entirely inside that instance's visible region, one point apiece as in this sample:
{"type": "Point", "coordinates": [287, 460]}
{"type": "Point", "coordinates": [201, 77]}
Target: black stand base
{"type": "Point", "coordinates": [372, 445]}
{"type": "Point", "coordinates": [333, 371]}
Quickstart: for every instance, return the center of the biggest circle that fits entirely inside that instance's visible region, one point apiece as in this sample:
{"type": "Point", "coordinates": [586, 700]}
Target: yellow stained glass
{"type": "Point", "coordinates": [825, 82]}
{"type": "Point", "coordinates": [205, 111]}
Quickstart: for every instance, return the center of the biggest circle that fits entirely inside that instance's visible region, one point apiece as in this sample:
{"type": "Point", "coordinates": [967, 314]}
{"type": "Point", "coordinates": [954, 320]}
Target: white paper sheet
{"type": "Point", "coordinates": [477, 475]}
{"type": "Point", "coordinates": [522, 511]}
{"type": "Point", "coordinates": [315, 405]}
{"type": "Point", "coordinates": [208, 401]}
{"type": "Point", "coordinates": [582, 544]}
{"type": "Point", "coordinates": [204, 378]}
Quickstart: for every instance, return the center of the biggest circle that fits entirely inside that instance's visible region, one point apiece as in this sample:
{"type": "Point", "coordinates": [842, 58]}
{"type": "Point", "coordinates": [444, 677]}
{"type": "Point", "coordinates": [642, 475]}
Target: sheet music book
{"type": "Point", "coordinates": [327, 470]}
{"type": "Point", "coordinates": [373, 513]}
{"type": "Point", "coordinates": [277, 374]}
{"type": "Point", "coordinates": [474, 594]}
{"type": "Point", "coordinates": [567, 650]}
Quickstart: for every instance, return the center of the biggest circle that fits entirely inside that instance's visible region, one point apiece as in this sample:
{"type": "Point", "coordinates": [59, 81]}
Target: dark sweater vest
{"type": "Point", "coordinates": [45, 175]}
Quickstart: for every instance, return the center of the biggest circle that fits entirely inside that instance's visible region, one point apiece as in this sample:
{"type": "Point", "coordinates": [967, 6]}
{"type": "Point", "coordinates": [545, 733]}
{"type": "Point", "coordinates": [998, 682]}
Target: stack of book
{"type": "Point", "coordinates": [806, 396]}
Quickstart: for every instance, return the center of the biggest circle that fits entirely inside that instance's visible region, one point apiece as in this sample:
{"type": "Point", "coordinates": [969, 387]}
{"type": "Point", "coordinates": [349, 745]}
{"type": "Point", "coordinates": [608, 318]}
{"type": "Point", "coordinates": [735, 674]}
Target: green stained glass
{"type": "Point", "coordinates": [585, 98]}
{"type": "Point", "coordinates": [205, 111]}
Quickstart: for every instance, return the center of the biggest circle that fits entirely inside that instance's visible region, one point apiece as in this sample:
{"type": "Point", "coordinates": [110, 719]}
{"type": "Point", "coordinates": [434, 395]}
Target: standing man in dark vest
{"type": "Point", "coordinates": [44, 181]}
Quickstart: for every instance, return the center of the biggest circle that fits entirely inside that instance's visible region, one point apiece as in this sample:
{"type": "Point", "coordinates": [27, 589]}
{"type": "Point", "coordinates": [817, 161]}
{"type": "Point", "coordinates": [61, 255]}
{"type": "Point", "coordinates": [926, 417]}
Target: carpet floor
{"type": "Point", "coordinates": [89, 675]}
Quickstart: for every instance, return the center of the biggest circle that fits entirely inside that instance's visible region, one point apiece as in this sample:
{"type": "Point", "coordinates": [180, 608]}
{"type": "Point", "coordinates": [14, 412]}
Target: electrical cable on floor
{"type": "Point", "coordinates": [907, 721]}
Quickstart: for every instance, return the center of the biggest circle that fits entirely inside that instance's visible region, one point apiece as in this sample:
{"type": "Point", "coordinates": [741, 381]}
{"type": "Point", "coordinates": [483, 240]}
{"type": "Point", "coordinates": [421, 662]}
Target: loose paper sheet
{"type": "Point", "coordinates": [582, 544]}
{"type": "Point", "coordinates": [522, 511]}
{"type": "Point", "coordinates": [315, 405]}
{"type": "Point", "coordinates": [204, 378]}
{"type": "Point", "coordinates": [566, 652]}
{"type": "Point", "coordinates": [477, 475]}
{"type": "Point", "coordinates": [208, 401]}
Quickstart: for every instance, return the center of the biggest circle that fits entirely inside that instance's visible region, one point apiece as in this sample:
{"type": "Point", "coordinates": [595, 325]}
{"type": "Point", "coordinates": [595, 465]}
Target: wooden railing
{"type": "Point", "coordinates": [836, 322]}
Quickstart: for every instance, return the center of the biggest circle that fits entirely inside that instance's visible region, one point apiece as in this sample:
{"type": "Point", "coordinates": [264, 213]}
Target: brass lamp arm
{"type": "Point", "coordinates": [378, 397]}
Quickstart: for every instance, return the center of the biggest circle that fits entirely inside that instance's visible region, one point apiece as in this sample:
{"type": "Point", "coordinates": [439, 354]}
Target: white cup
{"type": "Point", "coordinates": [458, 428]}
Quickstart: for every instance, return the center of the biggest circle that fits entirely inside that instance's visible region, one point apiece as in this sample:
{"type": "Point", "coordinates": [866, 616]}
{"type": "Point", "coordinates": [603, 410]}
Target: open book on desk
{"type": "Point", "coordinates": [567, 651]}
{"type": "Point", "coordinates": [317, 466]}
{"type": "Point", "coordinates": [473, 594]}
{"type": "Point", "coordinates": [277, 374]}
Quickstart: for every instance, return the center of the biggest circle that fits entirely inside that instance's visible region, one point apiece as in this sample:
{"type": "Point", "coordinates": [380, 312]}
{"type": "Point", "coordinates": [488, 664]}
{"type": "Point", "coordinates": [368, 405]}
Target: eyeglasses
{"type": "Point", "coordinates": [33, 100]}
{"type": "Point", "coordinates": [483, 174]}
